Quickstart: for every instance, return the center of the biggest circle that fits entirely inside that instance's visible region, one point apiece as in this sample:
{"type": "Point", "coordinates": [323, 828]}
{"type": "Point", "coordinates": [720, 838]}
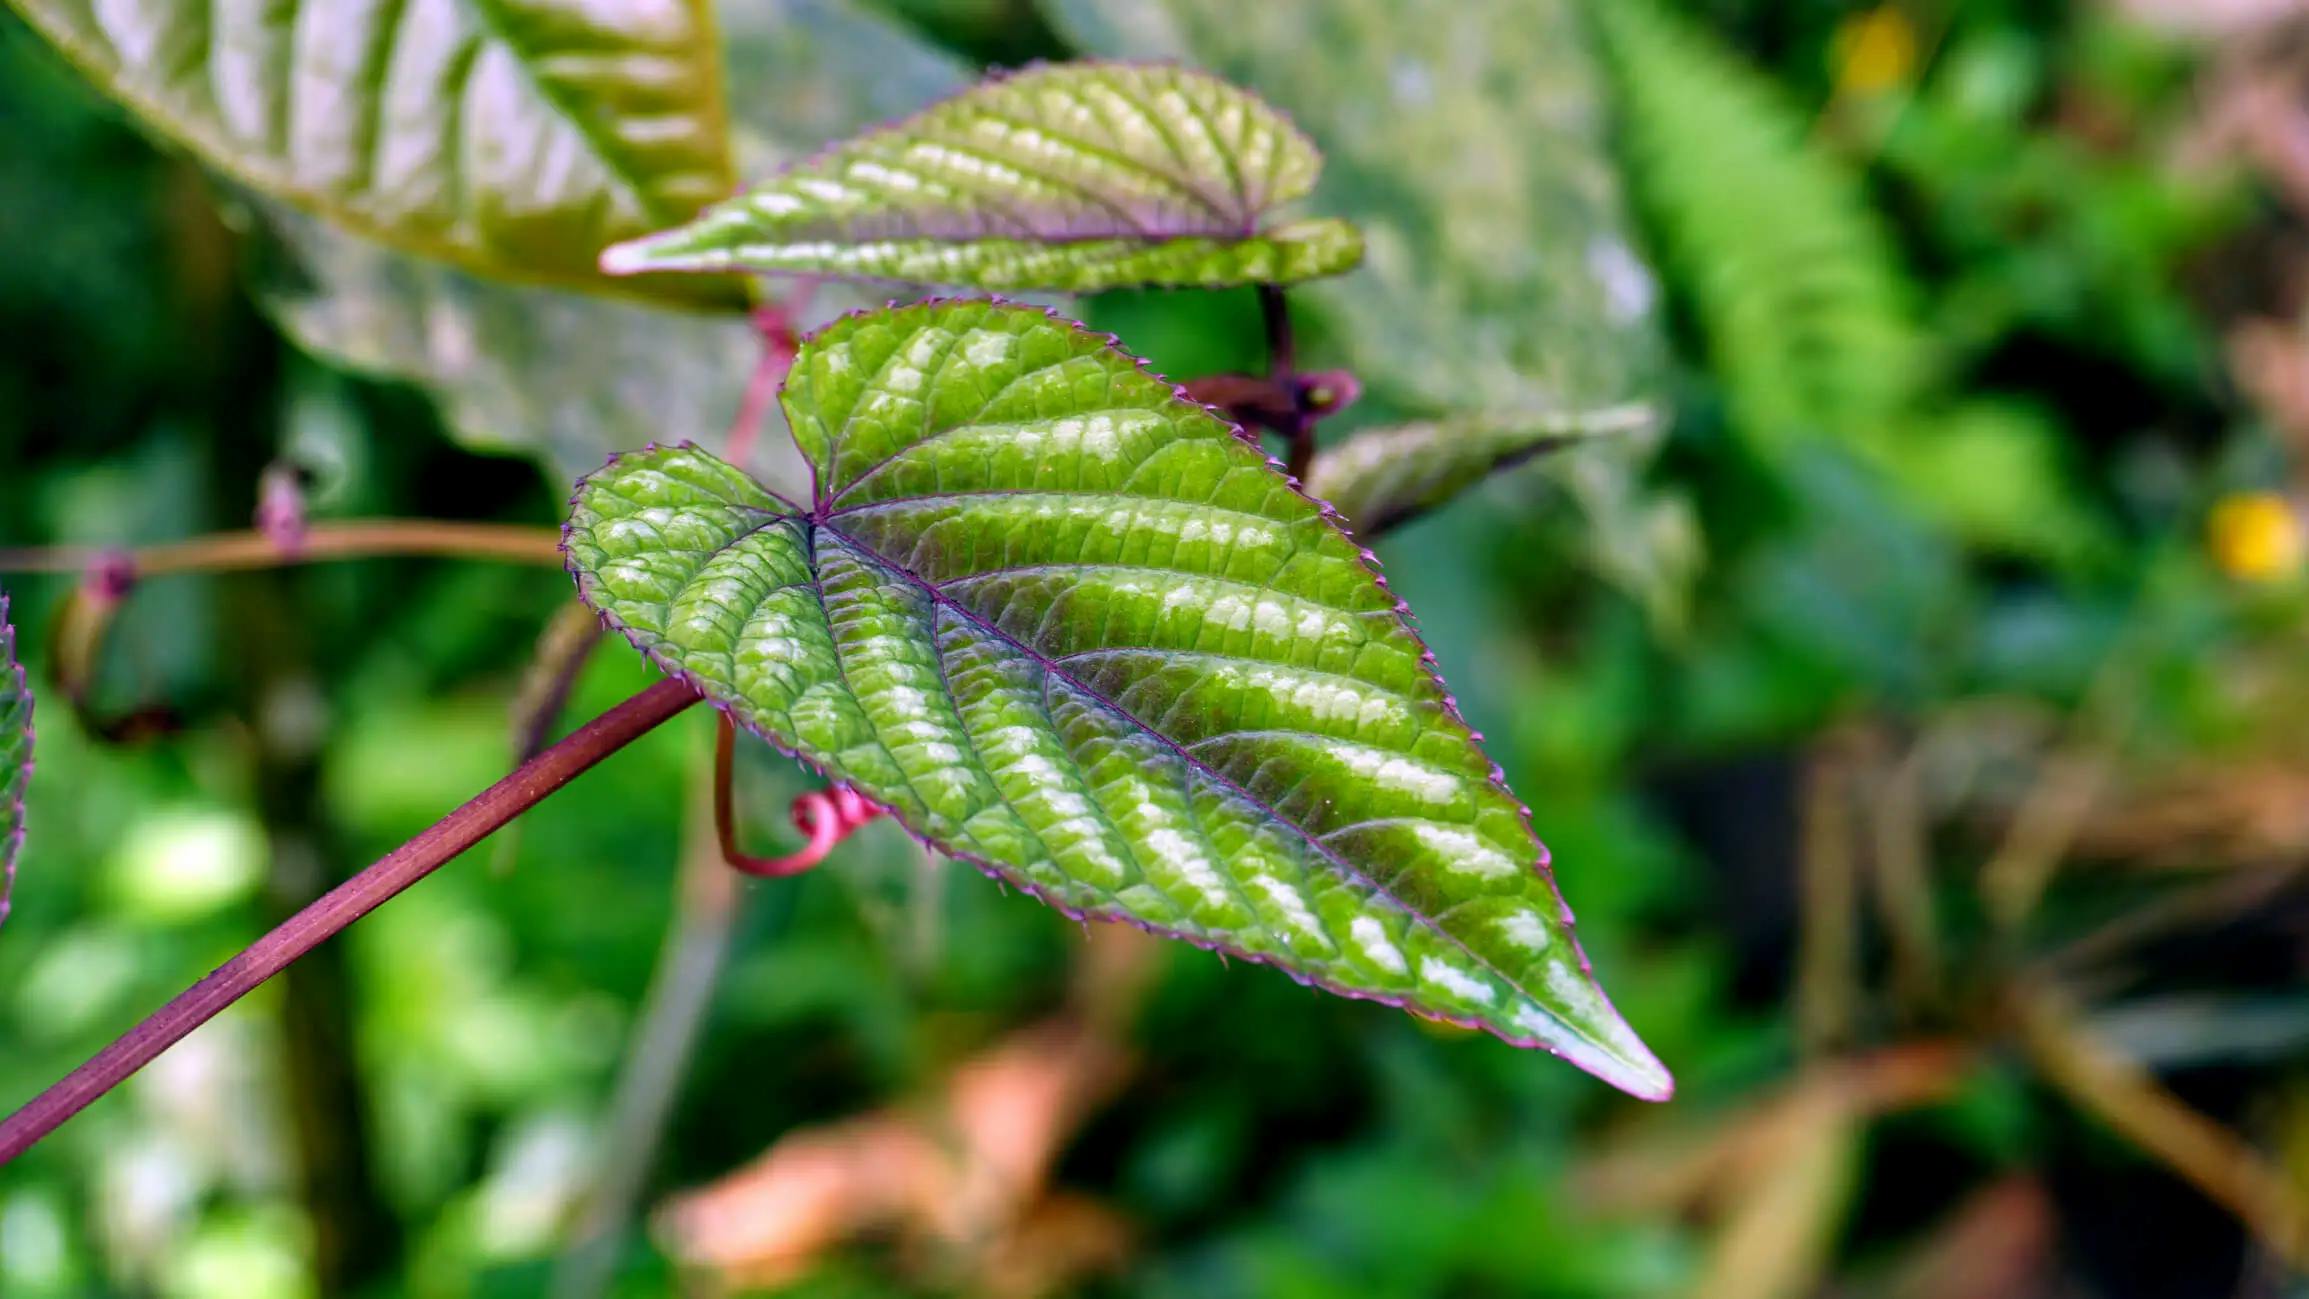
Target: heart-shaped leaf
{"type": "Point", "coordinates": [511, 137]}
{"type": "Point", "coordinates": [1385, 476]}
{"type": "Point", "coordinates": [1070, 177]}
{"type": "Point", "coordinates": [15, 753]}
{"type": "Point", "coordinates": [1076, 630]}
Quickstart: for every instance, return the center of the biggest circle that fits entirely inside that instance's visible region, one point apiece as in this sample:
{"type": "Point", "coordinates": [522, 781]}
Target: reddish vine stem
{"type": "Point", "coordinates": [775, 326]}
{"type": "Point", "coordinates": [827, 816]}
{"type": "Point", "coordinates": [341, 906]}
{"type": "Point", "coordinates": [1282, 367]}
{"type": "Point", "coordinates": [252, 548]}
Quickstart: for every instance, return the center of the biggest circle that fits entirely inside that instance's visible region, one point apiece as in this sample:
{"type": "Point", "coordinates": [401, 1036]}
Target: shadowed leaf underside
{"type": "Point", "coordinates": [1071, 177]}
{"type": "Point", "coordinates": [15, 753]}
{"type": "Point", "coordinates": [1076, 630]}
{"type": "Point", "coordinates": [1383, 477]}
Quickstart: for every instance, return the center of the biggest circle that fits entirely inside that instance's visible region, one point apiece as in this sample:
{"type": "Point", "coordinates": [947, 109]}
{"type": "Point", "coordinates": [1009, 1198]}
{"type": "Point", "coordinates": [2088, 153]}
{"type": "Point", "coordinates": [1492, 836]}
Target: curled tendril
{"type": "Point", "coordinates": [827, 816]}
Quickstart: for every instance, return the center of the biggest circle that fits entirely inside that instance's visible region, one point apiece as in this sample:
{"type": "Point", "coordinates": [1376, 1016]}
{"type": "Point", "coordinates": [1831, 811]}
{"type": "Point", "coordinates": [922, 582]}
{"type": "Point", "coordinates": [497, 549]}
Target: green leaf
{"type": "Point", "coordinates": [1074, 629]}
{"type": "Point", "coordinates": [566, 377]}
{"type": "Point", "coordinates": [15, 753]}
{"type": "Point", "coordinates": [1069, 177]}
{"type": "Point", "coordinates": [1382, 477]}
{"type": "Point", "coordinates": [511, 137]}
{"type": "Point", "coordinates": [563, 377]}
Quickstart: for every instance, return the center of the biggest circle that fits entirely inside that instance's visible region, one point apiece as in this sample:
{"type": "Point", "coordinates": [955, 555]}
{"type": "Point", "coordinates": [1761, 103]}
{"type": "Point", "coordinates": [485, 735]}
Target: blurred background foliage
{"type": "Point", "coordinates": [1917, 722]}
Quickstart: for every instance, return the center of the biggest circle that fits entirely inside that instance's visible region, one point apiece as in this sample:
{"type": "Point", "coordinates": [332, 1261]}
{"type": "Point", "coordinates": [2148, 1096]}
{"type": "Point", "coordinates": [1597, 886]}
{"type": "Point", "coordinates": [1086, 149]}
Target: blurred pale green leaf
{"type": "Point", "coordinates": [570, 378]}
{"type": "Point", "coordinates": [1808, 318]}
{"type": "Point", "coordinates": [515, 138]}
{"type": "Point", "coordinates": [1071, 177]}
{"type": "Point", "coordinates": [1790, 272]}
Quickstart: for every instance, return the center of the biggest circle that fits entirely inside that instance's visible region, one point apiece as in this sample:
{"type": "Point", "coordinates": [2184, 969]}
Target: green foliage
{"type": "Point", "coordinates": [1807, 318]}
{"type": "Point", "coordinates": [1794, 280]}
{"type": "Point", "coordinates": [511, 137]}
{"type": "Point", "coordinates": [1073, 629]}
{"type": "Point", "coordinates": [1071, 177]}
{"type": "Point", "coordinates": [15, 753]}
{"type": "Point", "coordinates": [1384, 476]}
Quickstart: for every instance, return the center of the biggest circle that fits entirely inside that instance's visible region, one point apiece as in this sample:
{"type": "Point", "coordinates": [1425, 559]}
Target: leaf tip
{"type": "Point", "coordinates": [633, 257]}
{"type": "Point", "coordinates": [1643, 1077]}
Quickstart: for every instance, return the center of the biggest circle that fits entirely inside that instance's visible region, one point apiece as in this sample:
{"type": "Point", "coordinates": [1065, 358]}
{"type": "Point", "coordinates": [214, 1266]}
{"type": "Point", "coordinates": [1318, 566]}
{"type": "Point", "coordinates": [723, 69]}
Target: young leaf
{"type": "Point", "coordinates": [1069, 177]}
{"type": "Point", "coordinates": [1074, 629]}
{"type": "Point", "coordinates": [1382, 477]}
{"type": "Point", "coordinates": [510, 137]}
{"type": "Point", "coordinates": [15, 753]}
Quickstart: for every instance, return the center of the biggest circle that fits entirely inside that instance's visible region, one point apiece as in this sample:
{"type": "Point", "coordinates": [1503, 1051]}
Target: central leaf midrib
{"type": "Point", "coordinates": [491, 18]}
{"type": "Point", "coordinates": [1315, 844]}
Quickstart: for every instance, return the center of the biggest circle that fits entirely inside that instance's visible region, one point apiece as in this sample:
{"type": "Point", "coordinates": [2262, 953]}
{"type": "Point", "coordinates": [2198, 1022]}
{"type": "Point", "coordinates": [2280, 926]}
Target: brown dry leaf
{"type": "Point", "coordinates": [2250, 813]}
{"type": "Point", "coordinates": [2117, 1090]}
{"type": "Point", "coordinates": [1780, 1211]}
{"type": "Point", "coordinates": [1998, 1244]}
{"type": "Point", "coordinates": [959, 1182]}
{"type": "Point", "coordinates": [1669, 1170]}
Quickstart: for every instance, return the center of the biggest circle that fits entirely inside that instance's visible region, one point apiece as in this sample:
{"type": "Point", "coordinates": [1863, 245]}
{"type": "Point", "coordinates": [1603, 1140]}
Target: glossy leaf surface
{"type": "Point", "coordinates": [15, 753]}
{"type": "Point", "coordinates": [1381, 477]}
{"type": "Point", "coordinates": [1076, 630]}
{"type": "Point", "coordinates": [512, 137]}
{"type": "Point", "coordinates": [1069, 177]}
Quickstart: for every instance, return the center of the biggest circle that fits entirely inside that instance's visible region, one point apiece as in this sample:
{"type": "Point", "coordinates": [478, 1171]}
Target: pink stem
{"type": "Point", "coordinates": [827, 816]}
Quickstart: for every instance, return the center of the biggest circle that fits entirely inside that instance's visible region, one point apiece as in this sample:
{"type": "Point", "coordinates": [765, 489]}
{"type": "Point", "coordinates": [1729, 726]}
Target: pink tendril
{"type": "Point", "coordinates": [827, 816]}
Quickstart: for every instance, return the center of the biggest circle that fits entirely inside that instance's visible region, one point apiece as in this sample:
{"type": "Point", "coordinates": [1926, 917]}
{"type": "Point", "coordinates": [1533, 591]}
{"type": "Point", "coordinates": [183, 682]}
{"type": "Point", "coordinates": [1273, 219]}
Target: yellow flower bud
{"type": "Point", "coordinates": [1873, 51]}
{"type": "Point", "coordinates": [2255, 536]}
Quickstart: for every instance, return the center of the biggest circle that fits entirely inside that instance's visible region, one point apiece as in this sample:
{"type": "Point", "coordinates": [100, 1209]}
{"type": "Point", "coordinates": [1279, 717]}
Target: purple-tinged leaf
{"type": "Point", "coordinates": [1076, 630]}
